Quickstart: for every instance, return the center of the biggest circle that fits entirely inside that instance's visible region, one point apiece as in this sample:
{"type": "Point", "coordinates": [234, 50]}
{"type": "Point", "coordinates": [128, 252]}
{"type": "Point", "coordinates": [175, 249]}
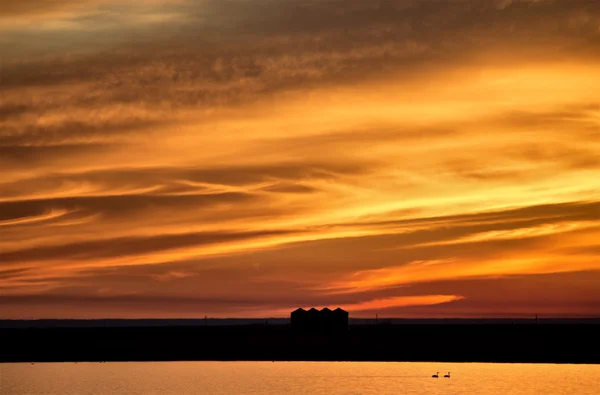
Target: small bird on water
{"type": "Point", "coordinates": [435, 376]}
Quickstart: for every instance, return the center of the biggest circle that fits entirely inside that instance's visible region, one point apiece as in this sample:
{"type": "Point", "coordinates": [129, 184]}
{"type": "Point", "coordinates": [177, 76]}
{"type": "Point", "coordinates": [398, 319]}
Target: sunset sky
{"type": "Point", "coordinates": [242, 158]}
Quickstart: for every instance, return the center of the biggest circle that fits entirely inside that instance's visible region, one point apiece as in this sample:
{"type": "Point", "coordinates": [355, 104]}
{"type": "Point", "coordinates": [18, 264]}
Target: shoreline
{"type": "Point", "coordinates": [297, 361]}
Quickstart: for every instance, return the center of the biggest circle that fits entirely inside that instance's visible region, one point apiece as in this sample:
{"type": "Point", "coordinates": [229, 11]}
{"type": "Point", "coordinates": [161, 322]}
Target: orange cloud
{"type": "Point", "coordinates": [401, 301]}
{"type": "Point", "coordinates": [333, 151]}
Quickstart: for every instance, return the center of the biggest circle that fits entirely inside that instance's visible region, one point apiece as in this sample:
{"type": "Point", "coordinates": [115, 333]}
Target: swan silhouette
{"type": "Point", "coordinates": [447, 375]}
{"type": "Point", "coordinates": [435, 376]}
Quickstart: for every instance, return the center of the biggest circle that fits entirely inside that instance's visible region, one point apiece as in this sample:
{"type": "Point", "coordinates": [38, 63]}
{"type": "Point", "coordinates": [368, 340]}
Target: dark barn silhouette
{"type": "Point", "coordinates": [299, 319]}
{"type": "Point", "coordinates": [315, 321]}
{"type": "Point", "coordinates": [327, 318]}
{"type": "Point", "coordinates": [340, 320]}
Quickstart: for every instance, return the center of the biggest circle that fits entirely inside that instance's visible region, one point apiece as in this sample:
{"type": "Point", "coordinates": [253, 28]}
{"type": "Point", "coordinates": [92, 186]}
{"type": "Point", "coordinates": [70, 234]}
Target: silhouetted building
{"type": "Point", "coordinates": [340, 319]}
{"type": "Point", "coordinates": [314, 320]}
{"type": "Point", "coordinates": [299, 319]}
{"type": "Point", "coordinates": [326, 318]}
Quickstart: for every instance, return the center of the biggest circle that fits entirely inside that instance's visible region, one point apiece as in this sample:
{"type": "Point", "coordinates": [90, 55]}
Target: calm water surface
{"type": "Point", "coordinates": [291, 378]}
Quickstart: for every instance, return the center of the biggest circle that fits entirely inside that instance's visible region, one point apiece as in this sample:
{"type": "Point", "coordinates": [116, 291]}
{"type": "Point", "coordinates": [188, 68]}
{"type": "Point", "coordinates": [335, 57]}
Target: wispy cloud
{"type": "Point", "coordinates": [344, 152]}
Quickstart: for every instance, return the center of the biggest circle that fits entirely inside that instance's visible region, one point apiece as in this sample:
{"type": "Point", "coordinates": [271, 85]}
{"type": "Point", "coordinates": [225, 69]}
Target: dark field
{"type": "Point", "coordinates": [546, 343]}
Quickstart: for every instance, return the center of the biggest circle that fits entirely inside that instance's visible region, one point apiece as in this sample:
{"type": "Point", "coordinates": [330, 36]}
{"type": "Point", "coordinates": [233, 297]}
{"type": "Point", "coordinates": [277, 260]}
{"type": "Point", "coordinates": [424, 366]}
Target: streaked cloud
{"type": "Point", "coordinates": [252, 157]}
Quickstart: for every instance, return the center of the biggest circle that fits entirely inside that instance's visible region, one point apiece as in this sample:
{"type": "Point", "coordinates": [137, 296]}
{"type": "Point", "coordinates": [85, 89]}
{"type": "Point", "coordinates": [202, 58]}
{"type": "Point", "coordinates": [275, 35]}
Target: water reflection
{"type": "Point", "coordinates": [294, 378]}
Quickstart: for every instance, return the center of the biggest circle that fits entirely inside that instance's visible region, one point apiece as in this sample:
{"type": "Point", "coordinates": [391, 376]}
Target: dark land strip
{"type": "Point", "coordinates": [523, 343]}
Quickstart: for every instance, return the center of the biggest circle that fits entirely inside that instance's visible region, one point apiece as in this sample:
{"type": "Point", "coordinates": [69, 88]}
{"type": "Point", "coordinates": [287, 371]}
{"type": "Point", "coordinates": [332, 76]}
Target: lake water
{"type": "Point", "coordinates": [291, 378]}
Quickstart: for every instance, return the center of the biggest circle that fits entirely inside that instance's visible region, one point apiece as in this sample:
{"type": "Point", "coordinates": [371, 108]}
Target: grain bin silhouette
{"type": "Point", "coordinates": [319, 321]}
